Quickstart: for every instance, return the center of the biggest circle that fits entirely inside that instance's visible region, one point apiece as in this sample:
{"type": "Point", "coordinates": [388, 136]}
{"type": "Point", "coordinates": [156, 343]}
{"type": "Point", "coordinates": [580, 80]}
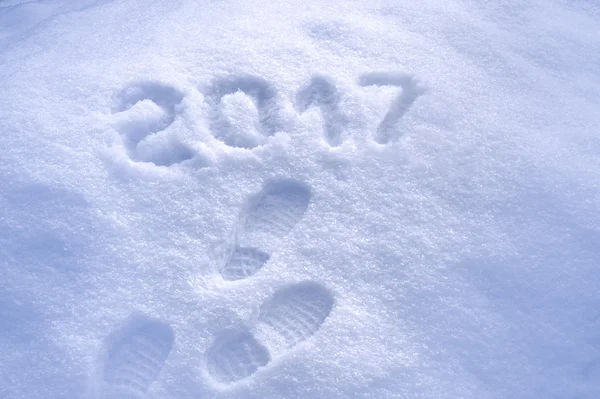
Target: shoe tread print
{"type": "Point", "coordinates": [268, 218]}
{"type": "Point", "coordinates": [293, 314]}
{"type": "Point", "coordinates": [297, 312]}
{"type": "Point", "coordinates": [244, 262]}
{"type": "Point", "coordinates": [135, 355]}
{"type": "Point", "coordinates": [274, 211]}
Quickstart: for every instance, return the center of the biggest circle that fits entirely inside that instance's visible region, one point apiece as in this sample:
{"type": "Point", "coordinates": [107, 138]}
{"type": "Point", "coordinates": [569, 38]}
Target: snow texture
{"type": "Point", "coordinates": [299, 199]}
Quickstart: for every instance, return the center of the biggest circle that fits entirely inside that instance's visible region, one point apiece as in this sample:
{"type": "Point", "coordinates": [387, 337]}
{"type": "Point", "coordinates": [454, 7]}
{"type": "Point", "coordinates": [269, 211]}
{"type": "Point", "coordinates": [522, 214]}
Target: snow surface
{"type": "Point", "coordinates": [299, 199]}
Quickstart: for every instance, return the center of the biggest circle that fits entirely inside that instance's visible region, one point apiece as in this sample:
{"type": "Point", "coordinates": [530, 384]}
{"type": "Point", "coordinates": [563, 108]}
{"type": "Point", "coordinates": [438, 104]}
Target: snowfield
{"type": "Point", "coordinates": [299, 199]}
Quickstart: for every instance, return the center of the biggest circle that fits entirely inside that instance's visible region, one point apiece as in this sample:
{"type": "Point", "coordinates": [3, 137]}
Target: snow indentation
{"type": "Point", "coordinates": [296, 312]}
{"type": "Point", "coordinates": [236, 358]}
{"type": "Point", "coordinates": [322, 92]}
{"type": "Point", "coordinates": [290, 316]}
{"type": "Point", "coordinates": [135, 354]}
{"type": "Point", "coordinates": [387, 130]}
{"type": "Point", "coordinates": [143, 115]}
{"type": "Point", "coordinates": [264, 97]}
{"type": "Point", "coordinates": [268, 218]}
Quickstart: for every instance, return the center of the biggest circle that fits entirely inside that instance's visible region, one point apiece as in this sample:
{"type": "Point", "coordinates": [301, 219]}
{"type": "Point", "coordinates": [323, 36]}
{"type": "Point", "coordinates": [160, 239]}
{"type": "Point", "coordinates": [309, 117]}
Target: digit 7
{"type": "Point", "coordinates": [386, 130]}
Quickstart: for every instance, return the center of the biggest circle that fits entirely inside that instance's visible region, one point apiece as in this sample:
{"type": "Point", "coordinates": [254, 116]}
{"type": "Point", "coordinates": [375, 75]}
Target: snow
{"type": "Point", "coordinates": [299, 199]}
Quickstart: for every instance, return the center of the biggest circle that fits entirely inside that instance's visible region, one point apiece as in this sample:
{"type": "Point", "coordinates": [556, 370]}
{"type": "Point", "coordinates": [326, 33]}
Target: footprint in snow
{"type": "Point", "coordinates": [133, 356]}
{"type": "Point", "coordinates": [290, 316]}
{"type": "Point", "coordinates": [262, 226]}
{"type": "Point", "coordinates": [294, 313]}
